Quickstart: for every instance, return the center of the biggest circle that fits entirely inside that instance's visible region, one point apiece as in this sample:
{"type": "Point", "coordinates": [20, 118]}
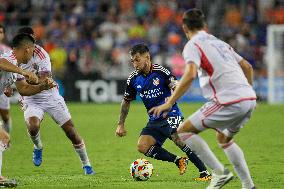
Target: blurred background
{"type": "Point", "coordinates": [88, 40]}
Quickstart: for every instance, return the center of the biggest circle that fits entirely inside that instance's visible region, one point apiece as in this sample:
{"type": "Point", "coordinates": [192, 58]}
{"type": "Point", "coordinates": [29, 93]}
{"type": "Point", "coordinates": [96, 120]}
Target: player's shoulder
{"type": "Point", "coordinates": [40, 52]}
{"type": "Point", "coordinates": [10, 56]}
{"type": "Point", "coordinates": [161, 69]}
{"type": "Point", "coordinates": [132, 76]}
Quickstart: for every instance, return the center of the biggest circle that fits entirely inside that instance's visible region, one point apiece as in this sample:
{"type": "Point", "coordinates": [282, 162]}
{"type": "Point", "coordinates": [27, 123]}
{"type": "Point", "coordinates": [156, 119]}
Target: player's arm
{"type": "Point", "coordinates": [247, 69]}
{"type": "Point", "coordinates": [129, 95]}
{"type": "Point", "coordinates": [185, 82]}
{"type": "Point", "coordinates": [124, 109]}
{"type": "Point", "coordinates": [5, 65]}
{"type": "Point", "coordinates": [26, 89]}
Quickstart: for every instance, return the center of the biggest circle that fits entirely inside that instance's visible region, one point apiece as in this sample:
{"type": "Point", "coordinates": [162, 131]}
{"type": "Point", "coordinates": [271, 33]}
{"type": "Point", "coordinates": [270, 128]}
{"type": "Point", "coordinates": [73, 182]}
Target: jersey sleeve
{"type": "Point", "coordinates": [236, 55]}
{"type": "Point", "coordinates": [191, 54]}
{"type": "Point", "coordinates": [130, 91]}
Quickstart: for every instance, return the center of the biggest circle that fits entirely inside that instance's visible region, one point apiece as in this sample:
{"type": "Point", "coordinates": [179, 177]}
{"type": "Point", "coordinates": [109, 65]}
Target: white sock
{"type": "Point", "coordinates": [37, 141]}
{"type": "Point", "coordinates": [237, 158]}
{"type": "Point", "coordinates": [82, 153]}
{"type": "Point", "coordinates": [7, 126]}
{"type": "Point", "coordinates": [201, 148]}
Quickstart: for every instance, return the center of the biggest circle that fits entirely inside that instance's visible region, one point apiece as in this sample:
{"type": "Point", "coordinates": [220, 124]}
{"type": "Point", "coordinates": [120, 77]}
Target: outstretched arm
{"type": "Point", "coordinates": [5, 65]}
{"type": "Point", "coordinates": [185, 82]}
{"type": "Point", "coordinates": [124, 109]}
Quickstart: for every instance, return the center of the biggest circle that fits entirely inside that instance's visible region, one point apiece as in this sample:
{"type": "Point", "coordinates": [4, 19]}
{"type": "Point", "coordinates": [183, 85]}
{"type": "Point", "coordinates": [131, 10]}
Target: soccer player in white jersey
{"type": "Point", "coordinates": [226, 81]}
{"type": "Point", "coordinates": [23, 47]}
{"type": "Point", "coordinates": [4, 100]}
{"type": "Point", "coordinates": [52, 103]}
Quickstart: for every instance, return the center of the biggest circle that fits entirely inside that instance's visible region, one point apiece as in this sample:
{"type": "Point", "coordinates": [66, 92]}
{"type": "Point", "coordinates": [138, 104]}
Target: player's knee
{"type": "Point", "coordinates": [143, 148]}
{"type": "Point", "coordinates": [223, 139]}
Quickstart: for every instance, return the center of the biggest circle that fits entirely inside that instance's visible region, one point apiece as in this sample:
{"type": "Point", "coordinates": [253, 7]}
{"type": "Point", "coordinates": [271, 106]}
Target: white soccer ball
{"type": "Point", "coordinates": [141, 169]}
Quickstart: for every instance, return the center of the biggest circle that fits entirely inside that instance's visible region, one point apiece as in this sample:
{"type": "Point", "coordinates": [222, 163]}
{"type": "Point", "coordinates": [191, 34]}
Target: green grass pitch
{"type": "Point", "coordinates": [261, 139]}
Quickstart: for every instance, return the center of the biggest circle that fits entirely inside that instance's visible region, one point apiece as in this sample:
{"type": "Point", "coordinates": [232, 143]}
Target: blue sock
{"type": "Point", "coordinates": [160, 153]}
{"type": "Point", "coordinates": [194, 158]}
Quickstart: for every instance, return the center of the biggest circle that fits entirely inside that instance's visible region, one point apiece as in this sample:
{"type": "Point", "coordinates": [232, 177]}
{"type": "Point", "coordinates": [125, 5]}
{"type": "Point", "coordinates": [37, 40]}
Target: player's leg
{"type": "Point", "coordinates": [4, 142]}
{"type": "Point", "coordinates": [33, 115]}
{"type": "Point", "coordinates": [79, 146]}
{"type": "Point", "coordinates": [233, 151]}
{"type": "Point", "coordinates": [188, 132]}
{"type": "Point", "coordinates": [4, 112]}
{"type": "Point", "coordinates": [204, 174]}
{"type": "Point", "coordinates": [59, 112]}
{"type": "Point", "coordinates": [150, 143]}
{"type": "Point", "coordinates": [174, 122]}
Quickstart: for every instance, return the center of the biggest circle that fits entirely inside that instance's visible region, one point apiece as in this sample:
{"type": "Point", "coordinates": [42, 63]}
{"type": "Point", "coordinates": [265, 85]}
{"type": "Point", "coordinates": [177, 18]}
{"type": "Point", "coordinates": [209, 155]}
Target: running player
{"type": "Point", "coordinates": [226, 81]}
{"type": "Point", "coordinates": [51, 102]}
{"type": "Point", "coordinates": [4, 100]}
{"type": "Point", "coordinates": [154, 84]}
{"type": "Point", "coordinates": [23, 47]}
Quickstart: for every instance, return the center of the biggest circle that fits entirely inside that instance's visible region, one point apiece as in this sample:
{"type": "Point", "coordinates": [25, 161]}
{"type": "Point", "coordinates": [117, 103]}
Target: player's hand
{"type": "Point", "coordinates": [30, 77]}
{"type": "Point", "coordinates": [8, 91]}
{"type": "Point", "coordinates": [47, 83]}
{"type": "Point", "coordinates": [158, 110]}
{"type": "Point", "coordinates": [120, 131]}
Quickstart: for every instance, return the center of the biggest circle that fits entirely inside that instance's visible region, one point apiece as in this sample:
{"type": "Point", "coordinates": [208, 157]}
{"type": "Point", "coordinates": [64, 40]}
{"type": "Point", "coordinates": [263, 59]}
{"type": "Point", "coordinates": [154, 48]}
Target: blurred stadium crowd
{"type": "Point", "coordinates": [91, 38]}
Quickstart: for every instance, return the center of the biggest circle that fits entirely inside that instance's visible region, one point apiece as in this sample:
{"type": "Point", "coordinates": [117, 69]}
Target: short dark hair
{"type": "Point", "coordinates": [194, 19]}
{"type": "Point", "coordinates": [140, 48]}
{"type": "Point", "coordinates": [21, 39]}
{"type": "Point", "coordinates": [26, 30]}
{"type": "Point", "coordinates": [2, 26]}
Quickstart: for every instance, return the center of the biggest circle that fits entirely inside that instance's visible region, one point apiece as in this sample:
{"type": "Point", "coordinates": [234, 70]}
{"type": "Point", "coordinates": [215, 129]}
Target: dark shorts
{"type": "Point", "coordinates": [162, 129]}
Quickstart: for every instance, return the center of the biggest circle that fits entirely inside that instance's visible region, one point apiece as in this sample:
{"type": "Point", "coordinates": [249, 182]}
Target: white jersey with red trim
{"type": "Point", "coordinates": [220, 75]}
{"type": "Point", "coordinates": [7, 78]}
{"type": "Point", "coordinates": [39, 63]}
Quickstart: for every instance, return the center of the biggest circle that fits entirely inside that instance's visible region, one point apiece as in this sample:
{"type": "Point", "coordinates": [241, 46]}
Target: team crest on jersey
{"type": "Point", "coordinates": [156, 81]}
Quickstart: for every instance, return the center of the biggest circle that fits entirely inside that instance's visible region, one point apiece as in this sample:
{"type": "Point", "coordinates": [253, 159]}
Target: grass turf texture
{"type": "Point", "coordinates": [261, 139]}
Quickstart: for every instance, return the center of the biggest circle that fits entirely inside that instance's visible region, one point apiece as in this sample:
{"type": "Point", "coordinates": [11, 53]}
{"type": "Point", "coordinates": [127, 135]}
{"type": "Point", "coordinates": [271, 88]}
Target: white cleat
{"type": "Point", "coordinates": [218, 181]}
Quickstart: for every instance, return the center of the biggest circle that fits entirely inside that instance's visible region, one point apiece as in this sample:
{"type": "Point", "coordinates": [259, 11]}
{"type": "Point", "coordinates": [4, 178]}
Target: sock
{"type": "Point", "coordinates": [82, 153]}
{"type": "Point", "coordinates": [200, 147]}
{"type": "Point", "coordinates": [36, 140]}
{"type": "Point", "coordinates": [160, 153]}
{"type": "Point", "coordinates": [194, 158]}
{"type": "Point", "coordinates": [7, 125]}
{"type": "Point", "coordinates": [237, 158]}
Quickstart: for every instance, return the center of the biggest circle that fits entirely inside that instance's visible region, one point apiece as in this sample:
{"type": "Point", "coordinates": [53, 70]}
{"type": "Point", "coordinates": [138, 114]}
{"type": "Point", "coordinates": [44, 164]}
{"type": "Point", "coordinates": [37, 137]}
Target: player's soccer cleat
{"type": "Point", "coordinates": [182, 165]}
{"type": "Point", "coordinates": [8, 183]}
{"type": "Point", "coordinates": [251, 188]}
{"type": "Point", "coordinates": [88, 170]}
{"type": "Point", "coordinates": [37, 157]}
{"type": "Point", "coordinates": [218, 181]}
{"type": "Point", "coordinates": [204, 176]}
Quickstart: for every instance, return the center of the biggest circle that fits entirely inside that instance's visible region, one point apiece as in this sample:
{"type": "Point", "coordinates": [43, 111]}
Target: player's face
{"type": "Point", "coordinates": [140, 62]}
{"type": "Point", "coordinates": [2, 35]}
{"type": "Point", "coordinates": [24, 53]}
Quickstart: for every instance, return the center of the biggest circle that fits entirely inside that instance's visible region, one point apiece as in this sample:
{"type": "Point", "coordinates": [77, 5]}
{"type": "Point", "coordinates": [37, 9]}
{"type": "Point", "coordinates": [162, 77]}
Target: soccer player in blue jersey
{"type": "Point", "coordinates": [154, 84]}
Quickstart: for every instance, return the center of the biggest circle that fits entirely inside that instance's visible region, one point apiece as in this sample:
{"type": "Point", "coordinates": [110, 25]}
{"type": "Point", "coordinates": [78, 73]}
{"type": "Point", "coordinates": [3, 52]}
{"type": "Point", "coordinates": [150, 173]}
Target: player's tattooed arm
{"type": "Point", "coordinates": [124, 109]}
{"type": "Point", "coordinates": [120, 130]}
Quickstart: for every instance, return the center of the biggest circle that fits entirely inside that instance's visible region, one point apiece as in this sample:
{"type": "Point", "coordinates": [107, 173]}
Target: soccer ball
{"type": "Point", "coordinates": [141, 169]}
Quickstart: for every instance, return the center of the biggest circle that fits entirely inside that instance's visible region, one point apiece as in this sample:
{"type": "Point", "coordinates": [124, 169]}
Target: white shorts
{"type": "Point", "coordinates": [227, 119]}
{"type": "Point", "coordinates": [54, 106]}
{"type": "Point", "coordinates": [4, 102]}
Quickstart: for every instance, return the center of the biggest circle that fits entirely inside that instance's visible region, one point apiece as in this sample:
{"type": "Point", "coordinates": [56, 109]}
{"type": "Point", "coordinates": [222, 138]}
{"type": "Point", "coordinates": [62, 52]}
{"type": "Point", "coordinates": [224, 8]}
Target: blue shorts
{"type": "Point", "coordinates": [162, 129]}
